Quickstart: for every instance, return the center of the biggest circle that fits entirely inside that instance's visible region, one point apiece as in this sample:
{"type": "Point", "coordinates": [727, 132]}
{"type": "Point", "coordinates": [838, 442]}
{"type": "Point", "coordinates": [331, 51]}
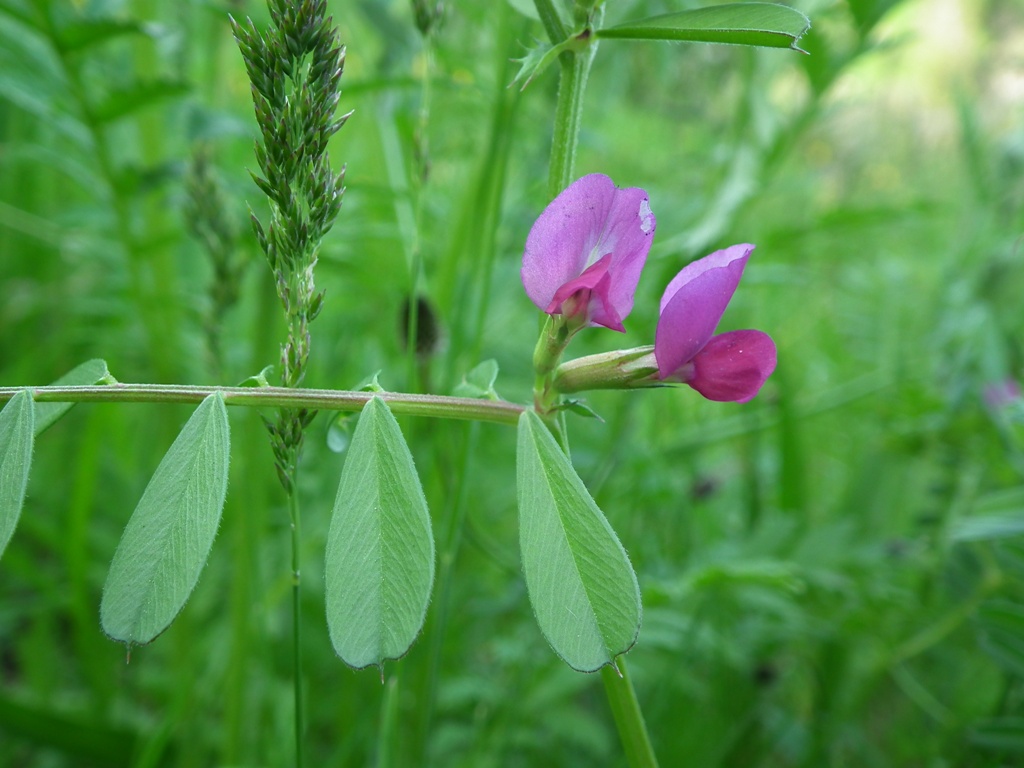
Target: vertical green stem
{"type": "Point", "coordinates": [387, 733]}
{"type": "Point", "coordinates": [575, 68]}
{"type": "Point", "coordinates": [628, 718]}
{"type": "Point", "coordinates": [551, 20]}
{"type": "Point", "coordinates": [568, 116]}
{"type": "Point", "coordinates": [418, 179]}
{"type": "Point", "coordinates": [293, 511]}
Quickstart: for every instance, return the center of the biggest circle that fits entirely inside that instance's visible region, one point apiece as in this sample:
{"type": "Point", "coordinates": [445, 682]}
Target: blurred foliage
{"type": "Point", "coordinates": [831, 574]}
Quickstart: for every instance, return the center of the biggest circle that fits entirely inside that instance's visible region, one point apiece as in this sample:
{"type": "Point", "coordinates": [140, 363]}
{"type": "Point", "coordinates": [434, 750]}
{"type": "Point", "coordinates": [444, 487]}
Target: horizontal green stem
{"type": "Point", "coordinates": [437, 406]}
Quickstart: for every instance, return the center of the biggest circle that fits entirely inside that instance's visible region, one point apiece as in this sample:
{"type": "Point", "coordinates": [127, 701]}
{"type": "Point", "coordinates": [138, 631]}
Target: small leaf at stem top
{"type": "Point", "coordinates": [537, 59]}
{"type": "Point", "coordinates": [479, 382]}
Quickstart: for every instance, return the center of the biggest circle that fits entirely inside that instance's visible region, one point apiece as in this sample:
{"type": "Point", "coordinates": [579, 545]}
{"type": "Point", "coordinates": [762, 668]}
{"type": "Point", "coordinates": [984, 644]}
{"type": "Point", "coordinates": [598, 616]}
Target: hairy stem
{"type": "Point", "coordinates": [436, 406]}
{"type": "Point", "coordinates": [569, 115]}
{"type": "Point", "coordinates": [551, 20]}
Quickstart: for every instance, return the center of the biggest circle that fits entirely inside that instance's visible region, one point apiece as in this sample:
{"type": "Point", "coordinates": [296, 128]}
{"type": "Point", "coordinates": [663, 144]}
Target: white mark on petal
{"type": "Point", "coordinates": [645, 217]}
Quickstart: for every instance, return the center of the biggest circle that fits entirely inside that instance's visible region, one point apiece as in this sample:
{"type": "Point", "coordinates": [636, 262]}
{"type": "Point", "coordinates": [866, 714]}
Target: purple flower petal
{"type": "Point", "coordinates": [693, 303]}
{"type": "Point", "coordinates": [733, 366]}
{"type": "Point", "coordinates": [589, 293]}
{"type": "Point", "coordinates": [591, 220]}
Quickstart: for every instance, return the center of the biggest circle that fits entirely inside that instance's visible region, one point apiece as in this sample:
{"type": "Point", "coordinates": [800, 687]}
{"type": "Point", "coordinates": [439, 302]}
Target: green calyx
{"type": "Point", "coordinates": [620, 369]}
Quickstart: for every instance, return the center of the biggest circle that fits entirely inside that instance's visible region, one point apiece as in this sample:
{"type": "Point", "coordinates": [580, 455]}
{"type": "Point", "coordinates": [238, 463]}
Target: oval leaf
{"type": "Point", "coordinates": [582, 587]}
{"type": "Point", "coordinates": [759, 24]}
{"type": "Point", "coordinates": [168, 538]}
{"type": "Point", "coordinates": [88, 373]}
{"type": "Point", "coordinates": [380, 548]}
{"type": "Point", "coordinates": [16, 436]}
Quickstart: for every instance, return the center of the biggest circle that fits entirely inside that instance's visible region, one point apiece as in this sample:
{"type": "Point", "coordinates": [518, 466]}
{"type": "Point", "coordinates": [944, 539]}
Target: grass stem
{"type": "Point", "coordinates": [294, 513]}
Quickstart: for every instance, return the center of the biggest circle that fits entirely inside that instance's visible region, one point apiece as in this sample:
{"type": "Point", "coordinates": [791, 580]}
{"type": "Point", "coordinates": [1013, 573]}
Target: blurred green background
{"type": "Point", "coordinates": [831, 574]}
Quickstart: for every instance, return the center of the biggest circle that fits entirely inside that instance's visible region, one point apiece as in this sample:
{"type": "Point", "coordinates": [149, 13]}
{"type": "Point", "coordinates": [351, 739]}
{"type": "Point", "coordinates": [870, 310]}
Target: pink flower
{"type": "Point", "coordinates": [585, 252]}
{"type": "Point", "coordinates": [1001, 394]}
{"type": "Point", "coordinates": [729, 367]}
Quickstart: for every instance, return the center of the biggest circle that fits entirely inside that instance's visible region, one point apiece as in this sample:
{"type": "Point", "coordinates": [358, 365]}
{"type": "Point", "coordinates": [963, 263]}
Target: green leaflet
{"type": "Point", "coordinates": [16, 437]}
{"type": "Point", "coordinates": [168, 538]}
{"type": "Point", "coordinates": [538, 58]}
{"type": "Point", "coordinates": [479, 382]}
{"type": "Point", "coordinates": [380, 549]}
{"type": "Point", "coordinates": [758, 24]}
{"type": "Point", "coordinates": [582, 587]}
{"type": "Point", "coordinates": [90, 372]}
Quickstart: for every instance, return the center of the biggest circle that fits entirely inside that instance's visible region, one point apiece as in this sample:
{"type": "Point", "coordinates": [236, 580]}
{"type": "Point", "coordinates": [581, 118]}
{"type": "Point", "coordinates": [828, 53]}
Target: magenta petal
{"type": "Point", "coordinates": [693, 303]}
{"type": "Point", "coordinates": [733, 366]}
{"type": "Point", "coordinates": [589, 220]}
{"type": "Point", "coordinates": [589, 293]}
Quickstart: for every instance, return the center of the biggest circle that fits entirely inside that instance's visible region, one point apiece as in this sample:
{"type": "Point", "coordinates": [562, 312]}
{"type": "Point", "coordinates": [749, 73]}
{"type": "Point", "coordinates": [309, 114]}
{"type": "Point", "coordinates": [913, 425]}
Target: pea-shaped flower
{"type": "Point", "coordinates": [729, 367]}
{"type": "Point", "coordinates": [585, 252]}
